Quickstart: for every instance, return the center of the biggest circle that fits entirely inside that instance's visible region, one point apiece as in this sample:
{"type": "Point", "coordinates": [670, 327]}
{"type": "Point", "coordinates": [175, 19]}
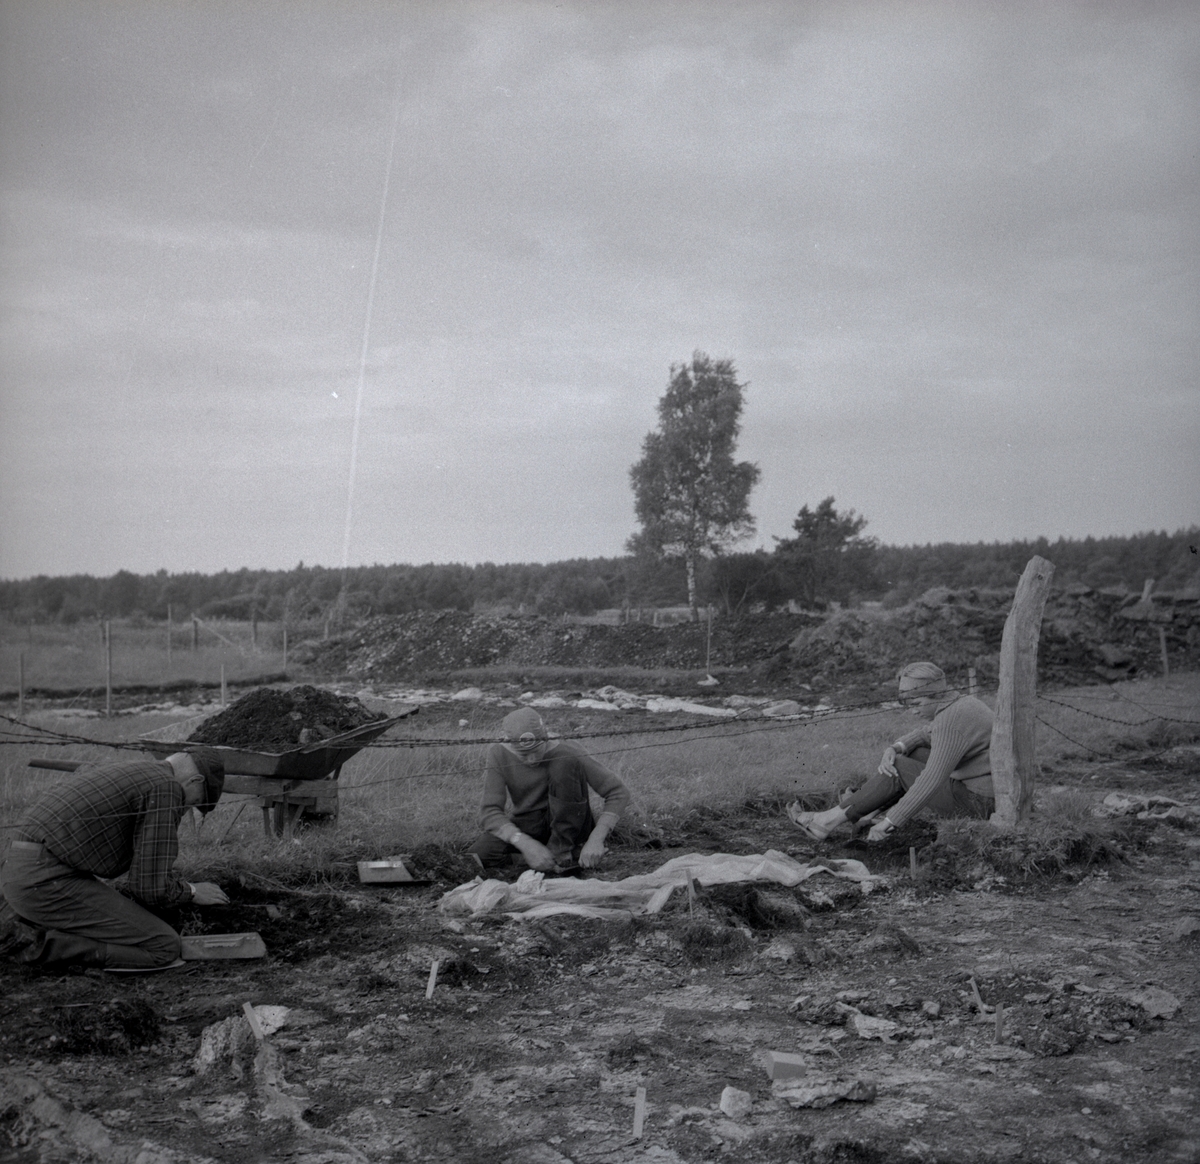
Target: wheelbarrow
{"type": "Point", "coordinates": [286, 783]}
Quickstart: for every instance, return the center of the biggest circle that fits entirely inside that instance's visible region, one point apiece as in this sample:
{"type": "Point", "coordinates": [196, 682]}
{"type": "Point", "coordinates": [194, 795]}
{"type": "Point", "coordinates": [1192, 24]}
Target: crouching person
{"type": "Point", "coordinates": [103, 821]}
{"type": "Point", "coordinates": [942, 767]}
{"type": "Point", "coordinates": [535, 800]}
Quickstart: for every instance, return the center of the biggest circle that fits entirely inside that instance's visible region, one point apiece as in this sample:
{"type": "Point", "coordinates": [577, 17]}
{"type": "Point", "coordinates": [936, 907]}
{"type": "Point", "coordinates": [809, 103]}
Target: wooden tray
{"type": "Point", "coordinates": [221, 947]}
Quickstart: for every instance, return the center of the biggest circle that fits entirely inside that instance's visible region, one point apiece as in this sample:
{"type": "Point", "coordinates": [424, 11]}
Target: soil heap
{"type": "Point", "coordinates": [1087, 635]}
{"type": "Point", "coordinates": [428, 644]}
{"type": "Point", "coordinates": [270, 720]}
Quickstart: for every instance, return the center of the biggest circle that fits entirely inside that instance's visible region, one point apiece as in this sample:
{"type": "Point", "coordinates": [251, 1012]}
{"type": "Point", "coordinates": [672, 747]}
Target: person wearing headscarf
{"type": "Point", "coordinates": [943, 766]}
{"type": "Point", "coordinates": [103, 821]}
{"type": "Point", "coordinates": [536, 800]}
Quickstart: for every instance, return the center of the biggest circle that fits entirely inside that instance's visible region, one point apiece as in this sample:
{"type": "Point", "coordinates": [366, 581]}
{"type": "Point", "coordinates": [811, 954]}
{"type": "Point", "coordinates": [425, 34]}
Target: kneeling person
{"type": "Point", "coordinates": [550, 822]}
{"type": "Point", "coordinates": [943, 767]}
{"type": "Point", "coordinates": [106, 820]}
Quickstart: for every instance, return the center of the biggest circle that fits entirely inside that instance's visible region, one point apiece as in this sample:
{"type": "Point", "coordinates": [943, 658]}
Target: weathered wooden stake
{"type": "Point", "coordinates": [1013, 749]}
{"type": "Point", "coordinates": [21, 685]}
{"type": "Point", "coordinates": [912, 861]}
{"type": "Point", "coordinates": [1162, 644]}
{"type": "Point", "coordinates": [168, 634]}
{"type": "Point", "coordinates": [433, 972]}
{"type": "Point", "coordinates": [195, 633]}
{"type": "Point", "coordinates": [107, 667]}
{"type": "Point", "coordinates": [708, 644]}
{"type": "Point", "coordinates": [639, 1113]}
{"type": "Point", "coordinates": [285, 646]}
{"type": "Point", "coordinates": [222, 684]}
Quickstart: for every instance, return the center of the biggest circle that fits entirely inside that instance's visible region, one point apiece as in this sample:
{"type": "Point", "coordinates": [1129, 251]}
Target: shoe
{"type": "Point", "coordinates": [805, 822]}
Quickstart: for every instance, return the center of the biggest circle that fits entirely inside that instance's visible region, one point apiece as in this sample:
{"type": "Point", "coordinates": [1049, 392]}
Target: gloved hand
{"type": "Point", "coordinates": [880, 831]}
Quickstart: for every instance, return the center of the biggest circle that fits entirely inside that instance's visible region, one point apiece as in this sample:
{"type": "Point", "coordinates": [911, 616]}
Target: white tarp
{"type": "Point", "coordinates": [533, 895]}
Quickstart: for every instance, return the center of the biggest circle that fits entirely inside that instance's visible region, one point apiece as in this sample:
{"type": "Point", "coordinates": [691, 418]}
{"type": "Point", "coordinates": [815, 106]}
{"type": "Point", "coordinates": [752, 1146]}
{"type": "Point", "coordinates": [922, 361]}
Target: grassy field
{"type": "Point", "coordinates": [74, 657]}
{"type": "Point", "coordinates": [397, 799]}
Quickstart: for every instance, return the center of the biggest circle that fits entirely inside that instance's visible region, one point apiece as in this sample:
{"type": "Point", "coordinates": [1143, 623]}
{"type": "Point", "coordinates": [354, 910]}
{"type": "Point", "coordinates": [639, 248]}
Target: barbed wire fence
{"type": "Point", "coordinates": [14, 731]}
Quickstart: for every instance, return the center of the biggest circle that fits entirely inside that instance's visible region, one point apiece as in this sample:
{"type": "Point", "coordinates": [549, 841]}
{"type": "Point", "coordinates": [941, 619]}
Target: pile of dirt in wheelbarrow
{"type": "Point", "coordinates": [269, 720]}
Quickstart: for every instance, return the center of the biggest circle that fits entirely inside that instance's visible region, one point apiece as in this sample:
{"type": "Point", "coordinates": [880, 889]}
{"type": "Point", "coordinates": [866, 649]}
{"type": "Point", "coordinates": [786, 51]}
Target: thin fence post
{"type": "Point", "coordinates": [195, 633]}
{"type": "Point", "coordinates": [168, 634]}
{"type": "Point", "coordinates": [1162, 644]}
{"type": "Point", "coordinates": [107, 667]}
{"type": "Point", "coordinates": [21, 685]}
{"type": "Point", "coordinates": [285, 647]}
{"type": "Point", "coordinates": [222, 684]}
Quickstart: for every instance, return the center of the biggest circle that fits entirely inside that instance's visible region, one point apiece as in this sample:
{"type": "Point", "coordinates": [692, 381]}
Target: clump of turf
{"type": "Point", "coordinates": [114, 1028]}
{"type": "Point", "coordinates": [1062, 834]}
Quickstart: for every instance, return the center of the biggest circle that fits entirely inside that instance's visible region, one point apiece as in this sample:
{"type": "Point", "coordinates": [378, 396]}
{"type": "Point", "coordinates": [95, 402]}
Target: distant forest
{"type": "Point", "coordinates": [849, 569]}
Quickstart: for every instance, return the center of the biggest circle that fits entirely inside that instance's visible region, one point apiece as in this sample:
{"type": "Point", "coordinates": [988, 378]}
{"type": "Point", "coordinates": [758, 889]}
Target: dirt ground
{"type": "Point", "coordinates": [539, 1034]}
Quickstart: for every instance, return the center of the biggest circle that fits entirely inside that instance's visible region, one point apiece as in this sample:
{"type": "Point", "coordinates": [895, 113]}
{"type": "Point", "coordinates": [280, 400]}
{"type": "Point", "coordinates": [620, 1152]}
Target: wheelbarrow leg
{"type": "Point", "coordinates": [291, 817]}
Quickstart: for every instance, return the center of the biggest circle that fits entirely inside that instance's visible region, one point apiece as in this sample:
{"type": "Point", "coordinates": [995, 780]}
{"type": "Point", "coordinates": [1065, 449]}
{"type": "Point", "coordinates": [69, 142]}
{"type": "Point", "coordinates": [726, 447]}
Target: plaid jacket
{"type": "Point", "coordinates": [107, 819]}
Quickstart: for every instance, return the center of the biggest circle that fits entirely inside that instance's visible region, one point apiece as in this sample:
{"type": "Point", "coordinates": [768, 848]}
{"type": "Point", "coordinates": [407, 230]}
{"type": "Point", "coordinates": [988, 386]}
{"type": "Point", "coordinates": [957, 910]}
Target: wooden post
{"type": "Point", "coordinates": [708, 644]}
{"type": "Point", "coordinates": [1162, 644]}
{"type": "Point", "coordinates": [285, 648]}
{"type": "Point", "coordinates": [1013, 740]}
{"type": "Point", "coordinates": [195, 633]}
{"type": "Point", "coordinates": [21, 685]}
{"type": "Point", "coordinates": [107, 667]}
{"type": "Point", "coordinates": [168, 634]}
{"type": "Point", "coordinates": [222, 684]}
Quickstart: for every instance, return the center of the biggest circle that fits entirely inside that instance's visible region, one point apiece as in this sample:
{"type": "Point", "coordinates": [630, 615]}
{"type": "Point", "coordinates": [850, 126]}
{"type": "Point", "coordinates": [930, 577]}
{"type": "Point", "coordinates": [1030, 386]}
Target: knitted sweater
{"type": "Point", "coordinates": [958, 739]}
{"type": "Point", "coordinates": [509, 779]}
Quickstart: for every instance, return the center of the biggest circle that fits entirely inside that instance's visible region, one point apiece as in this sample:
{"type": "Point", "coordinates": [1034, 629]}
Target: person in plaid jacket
{"type": "Point", "coordinates": [105, 821]}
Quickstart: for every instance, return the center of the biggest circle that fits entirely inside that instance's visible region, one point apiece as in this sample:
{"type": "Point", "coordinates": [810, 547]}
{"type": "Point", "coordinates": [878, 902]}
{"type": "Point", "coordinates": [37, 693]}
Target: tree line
{"type": "Point", "coordinates": [828, 560]}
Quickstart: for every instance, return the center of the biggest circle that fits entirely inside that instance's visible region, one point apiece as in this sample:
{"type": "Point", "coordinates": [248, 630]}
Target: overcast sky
{"type": "Point", "coordinates": [952, 250]}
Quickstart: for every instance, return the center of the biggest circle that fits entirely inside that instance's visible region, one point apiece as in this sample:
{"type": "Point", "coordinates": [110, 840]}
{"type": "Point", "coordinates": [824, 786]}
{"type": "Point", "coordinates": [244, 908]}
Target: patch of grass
{"type": "Point", "coordinates": [59, 657]}
{"type": "Point", "coordinates": [707, 943]}
{"type": "Point", "coordinates": [410, 799]}
{"type": "Point", "coordinates": [1063, 833]}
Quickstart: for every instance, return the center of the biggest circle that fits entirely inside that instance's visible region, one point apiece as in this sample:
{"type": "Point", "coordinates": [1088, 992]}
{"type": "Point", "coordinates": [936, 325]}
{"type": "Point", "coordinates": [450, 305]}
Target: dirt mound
{"type": "Point", "coordinates": [1086, 635]}
{"type": "Point", "coordinates": [267, 719]}
{"type": "Point", "coordinates": [430, 643]}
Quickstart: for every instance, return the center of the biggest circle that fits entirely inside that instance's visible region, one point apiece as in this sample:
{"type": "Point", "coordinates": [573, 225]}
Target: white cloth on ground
{"type": "Point", "coordinates": [532, 895]}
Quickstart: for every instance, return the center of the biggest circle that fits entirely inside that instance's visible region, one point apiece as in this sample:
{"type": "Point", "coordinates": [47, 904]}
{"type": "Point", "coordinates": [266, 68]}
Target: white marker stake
{"type": "Point", "coordinates": [639, 1113]}
{"type": "Point", "coordinates": [252, 1019]}
{"type": "Point", "coordinates": [433, 969]}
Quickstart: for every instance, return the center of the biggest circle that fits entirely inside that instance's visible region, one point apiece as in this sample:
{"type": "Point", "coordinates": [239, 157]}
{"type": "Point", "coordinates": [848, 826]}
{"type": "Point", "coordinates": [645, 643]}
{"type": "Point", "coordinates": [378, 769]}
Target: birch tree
{"type": "Point", "coordinates": [690, 496]}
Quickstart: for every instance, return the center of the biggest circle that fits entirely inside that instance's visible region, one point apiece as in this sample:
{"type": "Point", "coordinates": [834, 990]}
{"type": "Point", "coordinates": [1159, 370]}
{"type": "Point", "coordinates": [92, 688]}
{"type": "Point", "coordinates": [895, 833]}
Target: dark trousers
{"type": "Point", "coordinates": [952, 798]}
{"type": "Point", "coordinates": [562, 826]}
{"type": "Point", "coordinates": [83, 919]}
